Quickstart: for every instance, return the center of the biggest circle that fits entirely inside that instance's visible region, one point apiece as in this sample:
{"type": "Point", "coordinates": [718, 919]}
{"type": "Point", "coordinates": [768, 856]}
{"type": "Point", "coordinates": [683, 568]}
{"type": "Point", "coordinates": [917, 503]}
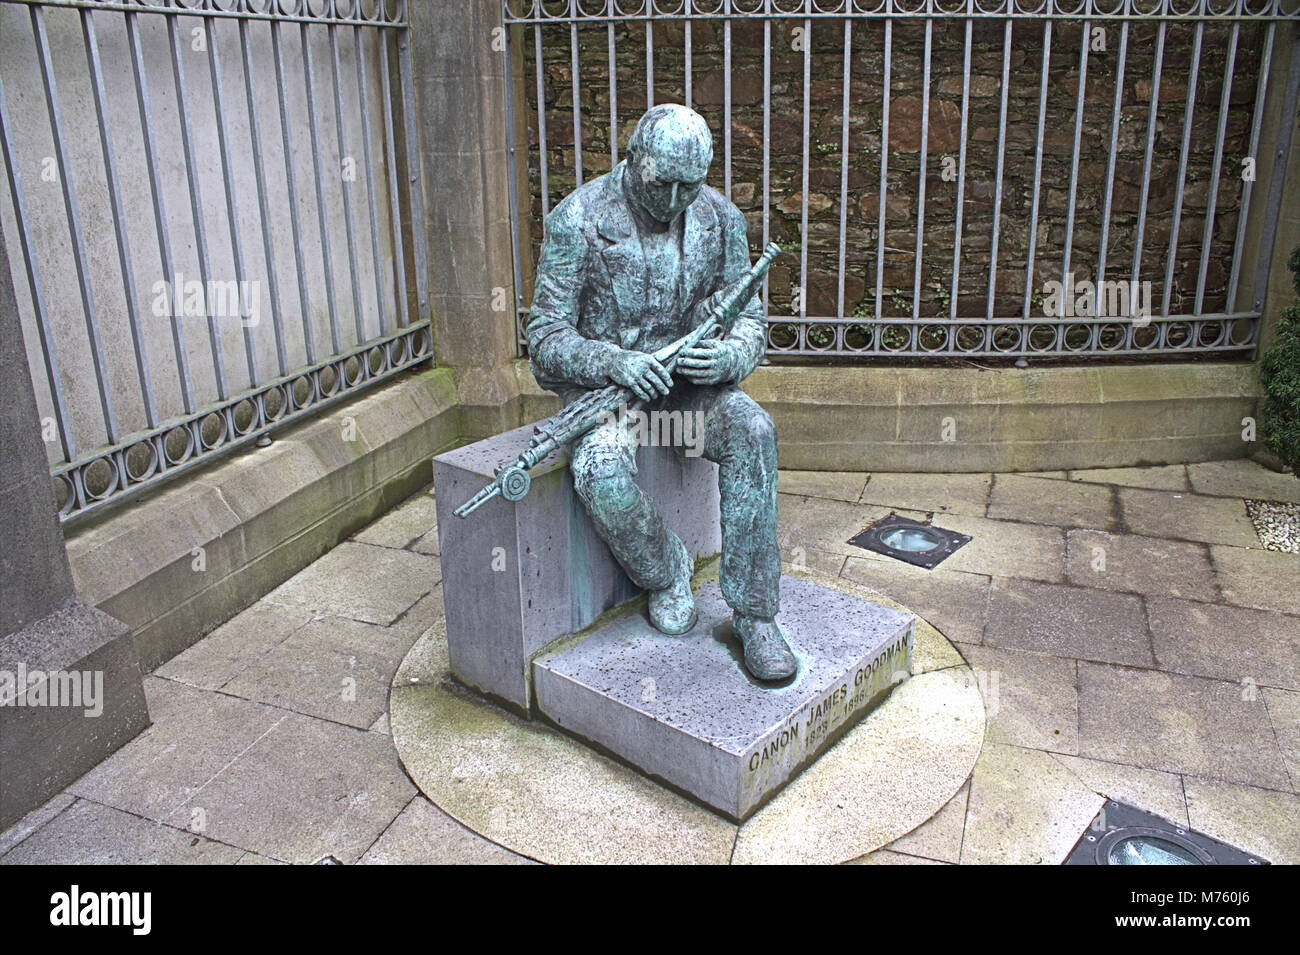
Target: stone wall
{"type": "Point", "coordinates": [747, 40]}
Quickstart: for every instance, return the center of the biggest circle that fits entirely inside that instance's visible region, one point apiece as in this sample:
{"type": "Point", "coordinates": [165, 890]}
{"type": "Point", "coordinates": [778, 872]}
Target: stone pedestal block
{"type": "Point", "coordinates": [683, 709]}
{"type": "Point", "coordinates": [70, 694]}
{"type": "Point", "coordinates": [518, 575]}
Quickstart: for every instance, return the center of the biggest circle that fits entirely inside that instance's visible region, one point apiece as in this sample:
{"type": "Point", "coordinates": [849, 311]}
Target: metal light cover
{"type": "Point", "coordinates": [902, 538]}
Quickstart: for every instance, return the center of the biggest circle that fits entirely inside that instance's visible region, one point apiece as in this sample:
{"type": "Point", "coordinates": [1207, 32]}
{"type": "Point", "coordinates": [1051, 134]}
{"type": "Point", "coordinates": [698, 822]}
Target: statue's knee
{"type": "Point", "coordinates": [604, 480]}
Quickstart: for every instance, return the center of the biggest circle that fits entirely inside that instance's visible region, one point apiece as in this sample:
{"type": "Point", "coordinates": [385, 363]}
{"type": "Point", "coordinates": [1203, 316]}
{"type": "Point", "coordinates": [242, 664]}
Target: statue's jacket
{"type": "Point", "coordinates": [591, 293]}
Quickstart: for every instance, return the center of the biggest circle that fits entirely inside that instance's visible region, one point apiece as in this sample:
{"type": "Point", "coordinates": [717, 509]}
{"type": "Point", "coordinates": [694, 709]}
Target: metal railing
{"type": "Point", "coordinates": [1173, 290]}
{"type": "Point", "coordinates": [227, 140]}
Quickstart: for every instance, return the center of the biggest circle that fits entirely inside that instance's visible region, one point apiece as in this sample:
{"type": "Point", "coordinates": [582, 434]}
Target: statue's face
{"type": "Point", "coordinates": [667, 170]}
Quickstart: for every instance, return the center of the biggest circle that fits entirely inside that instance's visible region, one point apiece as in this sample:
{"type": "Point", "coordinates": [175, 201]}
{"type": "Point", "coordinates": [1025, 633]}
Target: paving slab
{"type": "Point", "coordinates": [92, 834]}
{"type": "Point", "coordinates": [403, 525]}
{"type": "Point", "coordinates": [1170, 477]}
{"type": "Point", "coordinates": [1246, 817]}
{"type": "Point", "coordinates": [1193, 517]}
{"type": "Point", "coordinates": [886, 857]}
{"type": "Point", "coordinates": [684, 709]}
{"type": "Point", "coordinates": [1025, 809]}
{"type": "Point", "coordinates": [1268, 580]}
{"type": "Point", "coordinates": [814, 523]}
{"type": "Point", "coordinates": [1155, 792]}
{"type": "Point", "coordinates": [1032, 699]}
{"type": "Point", "coordinates": [1076, 622]}
{"type": "Point", "coordinates": [1057, 503]}
{"type": "Point", "coordinates": [29, 823]}
{"type": "Point", "coordinates": [940, 493]}
{"type": "Point", "coordinates": [234, 646]}
{"type": "Point", "coordinates": [1007, 548]}
{"type": "Point", "coordinates": [427, 543]}
{"type": "Point", "coordinates": [1177, 724]}
{"type": "Point", "coordinates": [1242, 646]}
{"type": "Point", "coordinates": [1284, 712]}
{"type": "Point", "coordinates": [812, 558]}
{"type": "Point", "coordinates": [939, 837]}
{"type": "Point", "coordinates": [362, 582]}
{"type": "Point", "coordinates": [954, 602]}
{"type": "Point", "coordinates": [835, 485]}
{"type": "Point", "coordinates": [1144, 565]}
{"type": "Point", "coordinates": [307, 789]}
{"type": "Point", "coordinates": [194, 736]}
{"type": "Point", "coordinates": [425, 835]}
{"type": "Point", "coordinates": [333, 668]}
{"type": "Point", "coordinates": [1243, 478]}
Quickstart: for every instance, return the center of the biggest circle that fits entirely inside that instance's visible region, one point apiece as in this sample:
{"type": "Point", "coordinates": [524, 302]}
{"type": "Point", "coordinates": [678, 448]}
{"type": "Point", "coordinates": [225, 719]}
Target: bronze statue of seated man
{"type": "Point", "coordinates": [631, 261]}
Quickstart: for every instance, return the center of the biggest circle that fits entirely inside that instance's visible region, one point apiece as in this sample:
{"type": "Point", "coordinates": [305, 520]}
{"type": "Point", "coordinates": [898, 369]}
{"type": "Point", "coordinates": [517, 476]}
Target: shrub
{"type": "Point", "coordinates": [1280, 376]}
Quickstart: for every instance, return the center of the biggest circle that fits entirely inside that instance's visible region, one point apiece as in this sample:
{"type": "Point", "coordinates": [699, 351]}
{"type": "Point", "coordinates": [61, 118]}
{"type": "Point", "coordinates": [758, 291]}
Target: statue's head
{"type": "Point", "coordinates": [668, 157]}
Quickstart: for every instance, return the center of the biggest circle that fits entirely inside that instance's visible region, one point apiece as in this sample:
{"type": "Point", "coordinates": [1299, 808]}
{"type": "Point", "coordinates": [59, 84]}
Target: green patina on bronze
{"type": "Point", "coordinates": [630, 263]}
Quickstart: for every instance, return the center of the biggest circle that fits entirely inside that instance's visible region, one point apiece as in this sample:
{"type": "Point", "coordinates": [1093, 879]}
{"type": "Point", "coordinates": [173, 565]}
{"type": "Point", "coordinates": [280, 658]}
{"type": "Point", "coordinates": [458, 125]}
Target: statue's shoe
{"type": "Point", "coordinates": [767, 655]}
{"type": "Point", "coordinates": [672, 610]}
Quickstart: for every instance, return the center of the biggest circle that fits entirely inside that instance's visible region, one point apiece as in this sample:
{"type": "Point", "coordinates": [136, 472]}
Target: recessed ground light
{"type": "Point", "coordinates": [1125, 835]}
{"type": "Point", "coordinates": [902, 538]}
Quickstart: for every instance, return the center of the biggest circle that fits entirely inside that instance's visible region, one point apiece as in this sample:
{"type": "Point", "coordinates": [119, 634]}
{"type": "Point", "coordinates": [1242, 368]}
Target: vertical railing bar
{"type": "Point", "coordinates": [345, 186]}
{"type": "Point", "coordinates": [961, 171]}
{"type": "Point", "coordinates": [159, 206]}
{"type": "Point", "coordinates": [1071, 205]}
{"type": "Point", "coordinates": [43, 328]}
{"type": "Point", "coordinates": [1038, 167]}
{"type": "Point", "coordinates": [394, 203]}
{"type": "Point", "coordinates": [512, 187]}
{"type": "Point", "coordinates": [321, 212]}
{"type": "Point", "coordinates": [1243, 207]}
{"type": "Point", "coordinates": [920, 191]}
{"type": "Point", "coordinates": [1115, 114]}
{"type": "Point", "coordinates": [613, 94]}
{"type": "Point", "coordinates": [79, 256]}
{"type": "Point", "coordinates": [264, 211]}
{"type": "Point", "coordinates": [363, 98]}
{"type": "Point", "coordinates": [415, 192]}
{"type": "Point", "coordinates": [844, 165]}
{"type": "Point", "coordinates": [803, 197]}
{"type": "Point", "coordinates": [196, 202]}
{"type": "Point", "coordinates": [1145, 189]}
{"type": "Point", "coordinates": [997, 187]}
{"type": "Point", "coordinates": [726, 103]}
{"type": "Point", "coordinates": [649, 64]}
{"type": "Point", "coordinates": [119, 217]}
{"type": "Point", "coordinates": [686, 64]}
{"type": "Point", "coordinates": [291, 181]}
{"type": "Point", "coordinates": [1189, 109]}
{"type": "Point", "coordinates": [232, 210]}
{"type": "Point", "coordinates": [577, 103]}
{"type": "Point", "coordinates": [543, 162]}
{"type": "Point", "coordinates": [884, 168]}
{"type": "Point", "coordinates": [1208, 233]}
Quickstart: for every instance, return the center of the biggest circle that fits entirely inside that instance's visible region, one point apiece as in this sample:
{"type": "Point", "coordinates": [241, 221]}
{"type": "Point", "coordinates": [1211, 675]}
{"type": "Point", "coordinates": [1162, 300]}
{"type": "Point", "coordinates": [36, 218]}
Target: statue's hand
{"type": "Point", "coordinates": [643, 373]}
{"type": "Point", "coordinates": [708, 363]}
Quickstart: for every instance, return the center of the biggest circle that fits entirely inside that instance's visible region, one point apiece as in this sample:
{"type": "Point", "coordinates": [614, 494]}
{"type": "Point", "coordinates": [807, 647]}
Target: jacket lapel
{"type": "Point", "coordinates": [622, 253]}
{"type": "Point", "coordinates": [701, 250]}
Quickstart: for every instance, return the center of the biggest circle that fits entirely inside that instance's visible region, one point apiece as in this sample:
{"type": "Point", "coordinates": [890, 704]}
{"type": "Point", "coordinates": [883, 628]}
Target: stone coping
{"type": "Point", "coordinates": [946, 419]}
{"type": "Point", "coordinates": [537, 791]}
{"type": "Point", "coordinates": [179, 562]}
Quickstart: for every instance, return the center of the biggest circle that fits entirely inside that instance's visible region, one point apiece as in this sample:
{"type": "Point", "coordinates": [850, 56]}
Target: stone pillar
{"type": "Point", "coordinates": [70, 687]}
{"type": "Point", "coordinates": [460, 90]}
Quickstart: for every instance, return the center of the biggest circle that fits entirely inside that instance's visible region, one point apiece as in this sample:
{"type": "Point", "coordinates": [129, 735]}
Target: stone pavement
{"type": "Point", "coordinates": [1132, 638]}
